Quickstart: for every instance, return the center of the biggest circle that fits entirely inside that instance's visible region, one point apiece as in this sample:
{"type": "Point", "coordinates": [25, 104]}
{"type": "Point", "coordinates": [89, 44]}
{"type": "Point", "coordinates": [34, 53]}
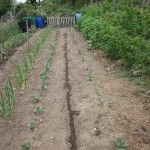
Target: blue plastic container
{"type": "Point", "coordinates": [78, 15]}
{"type": "Point", "coordinates": [39, 21]}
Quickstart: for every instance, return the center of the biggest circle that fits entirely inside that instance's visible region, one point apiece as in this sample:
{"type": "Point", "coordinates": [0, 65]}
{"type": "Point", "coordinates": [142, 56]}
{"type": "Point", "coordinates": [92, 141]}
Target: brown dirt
{"type": "Point", "coordinates": [78, 114]}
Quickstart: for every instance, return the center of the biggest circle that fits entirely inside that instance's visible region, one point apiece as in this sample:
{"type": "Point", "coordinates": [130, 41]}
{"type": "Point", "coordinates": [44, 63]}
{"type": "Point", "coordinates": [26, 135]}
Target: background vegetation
{"type": "Point", "coordinates": [122, 31]}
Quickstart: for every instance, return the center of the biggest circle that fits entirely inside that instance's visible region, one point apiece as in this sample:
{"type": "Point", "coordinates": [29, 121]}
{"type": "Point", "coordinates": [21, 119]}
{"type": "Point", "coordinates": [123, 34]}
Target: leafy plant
{"type": "Point", "coordinates": [31, 124]}
{"type": "Point", "coordinates": [121, 144]}
{"type": "Point", "coordinates": [89, 76]}
{"type": "Point", "coordinates": [26, 145]}
{"type": "Point", "coordinates": [42, 86]}
{"type": "Point", "coordinates": [4, 107]}
{"type": "Point", "coordinates": [20, 78]}
{"type": "Point", "coordinates": [38, 109]}
{"type": "Point", "coordinates": [36, 99]}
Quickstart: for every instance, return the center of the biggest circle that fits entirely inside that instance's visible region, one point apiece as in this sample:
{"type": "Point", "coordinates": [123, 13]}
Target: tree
{"type": "Point", "coordinates": [5, 5]}
{"type": "Point", "coordinates": [32, 2]}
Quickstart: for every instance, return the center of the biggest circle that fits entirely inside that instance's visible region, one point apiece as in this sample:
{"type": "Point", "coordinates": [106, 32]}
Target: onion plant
{"type": "Point", "coordinates": [4, 107]}
{"type": "Point", "coordinates": [20, 77]}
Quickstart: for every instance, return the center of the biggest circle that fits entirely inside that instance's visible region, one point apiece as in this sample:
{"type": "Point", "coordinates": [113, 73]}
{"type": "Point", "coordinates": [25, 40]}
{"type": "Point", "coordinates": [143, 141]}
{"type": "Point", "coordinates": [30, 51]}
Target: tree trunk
{"type": "Point", "coordinates": [91, 2]}
{"type": "Point", "coordinates": [73, 2]}
{"type": "Point", "coordinates": [115, 5]}
{"type": "Point", "coordinates": [144, 4]}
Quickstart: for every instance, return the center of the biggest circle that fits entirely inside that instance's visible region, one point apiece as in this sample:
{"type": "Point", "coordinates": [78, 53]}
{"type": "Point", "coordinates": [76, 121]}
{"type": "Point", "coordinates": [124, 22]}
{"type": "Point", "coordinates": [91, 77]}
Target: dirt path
{"type": "Point", "coordinates": [86, 106]}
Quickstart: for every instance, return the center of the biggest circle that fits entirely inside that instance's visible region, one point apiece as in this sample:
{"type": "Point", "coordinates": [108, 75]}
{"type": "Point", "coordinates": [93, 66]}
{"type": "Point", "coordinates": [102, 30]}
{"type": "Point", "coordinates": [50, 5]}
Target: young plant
{"type": "Point", "coordinates": [26, 145]}
{"type": "Point", "coordinates": [31, 125]}
{"type": "Point", "coordinates": [9, 93]}
{"type": "Point", "coordinates": [79, 52]}
{"type": "Point", "coordinates": [36, 99]}
{"type": "Point", "coordinates": [121, 144]}
{"type": "Point", "coordinates": [4, 107]}
{"type": "Point", "coordinates": [89, 76]}
{"type": "Point", "coordinates": [43, 75]}
{"type": "Point", "coordinates": [21, 77]}
{"type": "Point", "coordinates": [26, 65]}
{"type": "Point", "coordinates": [42, 86]}
{"type": "Point", "coordinates": [38, 110]}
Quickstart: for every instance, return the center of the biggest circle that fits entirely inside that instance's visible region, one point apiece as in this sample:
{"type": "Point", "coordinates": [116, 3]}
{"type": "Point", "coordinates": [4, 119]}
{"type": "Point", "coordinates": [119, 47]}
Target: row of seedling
{"type": "Point", "coordinates": [78, 49]}
{"type": "Point", "coordinates": [43, 74]}
{"type": "Point", "coordinates": [39, 109]}
{"type": "Point", "coordinates": [17, 81]}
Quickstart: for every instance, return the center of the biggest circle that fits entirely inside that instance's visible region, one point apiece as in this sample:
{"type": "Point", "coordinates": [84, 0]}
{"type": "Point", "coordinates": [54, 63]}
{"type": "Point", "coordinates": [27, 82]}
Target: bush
{"type": "Point", "coordinates": [123, 34]}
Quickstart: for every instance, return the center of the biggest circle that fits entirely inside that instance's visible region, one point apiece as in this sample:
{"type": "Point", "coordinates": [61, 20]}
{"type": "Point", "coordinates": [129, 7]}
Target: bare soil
{"type": "Point", "coordinates": [87, 105]}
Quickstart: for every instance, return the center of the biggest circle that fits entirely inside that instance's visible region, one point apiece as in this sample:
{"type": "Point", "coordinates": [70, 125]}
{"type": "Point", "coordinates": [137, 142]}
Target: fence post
{"type": "Point", "coordinates": [2, 39]}
{"type": "Point", "coordinates": [27, 27]}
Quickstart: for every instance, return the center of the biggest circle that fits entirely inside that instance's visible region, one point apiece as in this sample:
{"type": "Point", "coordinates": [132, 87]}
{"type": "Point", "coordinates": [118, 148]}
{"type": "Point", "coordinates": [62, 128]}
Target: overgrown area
{"type": "Point", "coordinates": [122, 31]}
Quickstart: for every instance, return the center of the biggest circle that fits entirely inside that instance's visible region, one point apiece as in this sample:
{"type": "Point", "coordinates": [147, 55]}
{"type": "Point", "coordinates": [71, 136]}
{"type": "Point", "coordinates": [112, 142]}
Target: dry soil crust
{"type": "Point", "coordinates": [79, 114]}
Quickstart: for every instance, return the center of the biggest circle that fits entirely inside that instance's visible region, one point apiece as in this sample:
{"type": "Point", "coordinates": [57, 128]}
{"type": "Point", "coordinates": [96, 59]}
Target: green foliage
{"type": "Point", "coordinates": [20, 77]}
{"type": "Point", "coordinates": [26, 145]}
{"type": "Point", "coordinates": [123, 34]}
{"type": "Point", "coordinates": [36, 99]}
{"type": "Point", "coordinates": [7, 99]}
{"type": "Point", "coordinates": [121, 144]}
{"type": "Point", "coordinates": [5, 5]}
{"type": "Point", "coordinates": [31, 125]}
{"type": "Point", "coordinates": [89, 75]}
{"type": "Point", "coordinates": [38, 110]}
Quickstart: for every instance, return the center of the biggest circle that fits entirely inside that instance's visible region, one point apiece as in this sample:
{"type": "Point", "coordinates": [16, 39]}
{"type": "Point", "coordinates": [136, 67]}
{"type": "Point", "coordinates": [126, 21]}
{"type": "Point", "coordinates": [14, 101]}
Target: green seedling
{"type": "Point", "coordinates": [31, 125]}
{"type": "Point", "coordinates": [43, 75]}
{"type": "Point", "coordinates": [89, 47]}
{"type": "Point", "coordinates": [79, 52]}
{"type": "Point", "coordinates": [26, 64]}
{"type": "Point", "coordinates": [30, 58]}
{"type": "Point", "coordinates": [121, 144]}
{"type": "Point", "coordinates": [36, 99]}
{"type": "Point", "coordinates": [9, 93]}
{"type": "Point", "coordinates": [21, 77]}
{"type": "Point", "coordinates": [38, 110]}
{"type": "Point", "coordinates": [42, 86]}
{"type": "Point", "coordinates": [4, 107]}
{"type": "Point", "coordinates": [89, 76]}
{"type": "Point", "coordinates": [101, 101]}
{"type": "Point", "coordinates": [26, 145]}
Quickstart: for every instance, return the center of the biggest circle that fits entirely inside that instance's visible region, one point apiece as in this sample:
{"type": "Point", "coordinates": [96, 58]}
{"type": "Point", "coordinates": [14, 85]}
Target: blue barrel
{"type": "Point", "coordinates": [78, 15]}
{"type": "Point", "coordinates": [39, 21]}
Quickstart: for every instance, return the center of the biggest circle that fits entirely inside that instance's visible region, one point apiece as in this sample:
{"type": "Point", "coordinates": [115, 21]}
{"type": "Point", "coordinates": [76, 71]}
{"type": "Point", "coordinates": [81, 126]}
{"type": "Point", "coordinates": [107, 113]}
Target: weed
{"type": "Point", "coordinates": [36, 99]}
{"type": "Point", "coordinates": [79, 52]}
{"type": "Point", "coordinates": [31, 125]}
{"type": "Point", "coordinates": [38, 110]}
{"type": "Point", "coordinates": [89, 47]}
{"type": "Point", "coordinates": [82, 58]}
{"type": "Point", "coordinates": [42, 86]}
{"type": "Point", "coordinates": [101, 100]}
{"type": "Point", "coordinates": [89, 75]}
{"type": "Point", "coordinates": [121, 144]}
{"type": "Point", "coordinates": [26, 145]}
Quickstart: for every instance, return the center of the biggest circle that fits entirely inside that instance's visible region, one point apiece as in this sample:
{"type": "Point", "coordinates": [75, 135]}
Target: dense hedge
{"type": "Point", "coordinates": [124, 34]}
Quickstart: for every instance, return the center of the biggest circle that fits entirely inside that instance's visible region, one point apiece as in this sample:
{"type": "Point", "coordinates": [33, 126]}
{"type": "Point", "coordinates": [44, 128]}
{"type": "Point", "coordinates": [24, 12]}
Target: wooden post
{"type": "Point", "coordinates": [2, 38]}
{"type": "Point", "coordinates": [27, 27]}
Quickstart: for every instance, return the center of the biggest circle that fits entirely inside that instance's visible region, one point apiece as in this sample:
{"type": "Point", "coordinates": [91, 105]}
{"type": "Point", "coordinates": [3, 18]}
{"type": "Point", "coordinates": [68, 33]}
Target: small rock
{"type": "Point", "coordinates": [51, 138]}
{"type": "Point", "coordinates": [137, 72]}
{"type": "Point", "coordinates": [148, 92]}
{"type": "Point", "coordinates": [96, 131]}
{"type": "Point", "coordinates": [108, 69]}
